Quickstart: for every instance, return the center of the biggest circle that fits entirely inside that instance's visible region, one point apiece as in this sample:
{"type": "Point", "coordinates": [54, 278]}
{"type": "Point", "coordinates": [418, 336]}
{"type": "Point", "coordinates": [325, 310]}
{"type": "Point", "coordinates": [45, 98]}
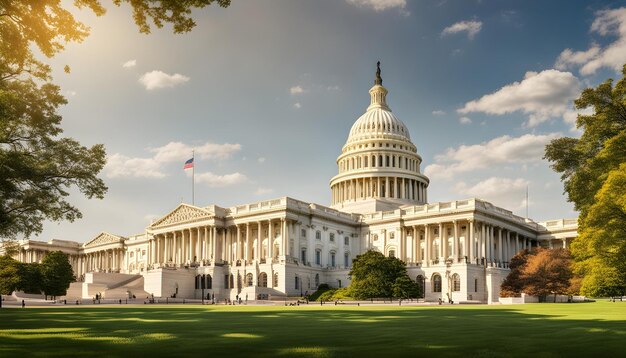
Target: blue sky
{"type": "Point", "coordinates": [266, 93]}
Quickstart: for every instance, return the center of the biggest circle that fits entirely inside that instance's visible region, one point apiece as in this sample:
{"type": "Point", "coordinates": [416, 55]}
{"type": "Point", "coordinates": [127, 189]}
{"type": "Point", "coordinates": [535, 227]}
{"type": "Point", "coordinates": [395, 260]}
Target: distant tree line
{"type": "Point", "coordinates": [51, 277]}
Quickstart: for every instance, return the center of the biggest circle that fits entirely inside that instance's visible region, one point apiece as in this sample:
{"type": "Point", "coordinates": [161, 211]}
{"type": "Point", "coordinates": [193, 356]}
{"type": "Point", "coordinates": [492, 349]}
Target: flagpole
{"type": "Point", "coordinates": [193, 177]}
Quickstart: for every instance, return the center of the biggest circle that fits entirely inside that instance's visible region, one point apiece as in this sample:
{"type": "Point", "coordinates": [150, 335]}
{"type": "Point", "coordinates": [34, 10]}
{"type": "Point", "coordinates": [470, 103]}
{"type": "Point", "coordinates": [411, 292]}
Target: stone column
{"type": "Point", "coordinates": [442, 245]}
{"type": "Point", "coordinates": [500, 250]}
{"type": "Point", "coordinates": [248, 243]}
{"type": "Point", "coordinates": [455, 242]}
{"type": "Point", "coordinates": [270, 240]}
{"type": "Point", "coordinates": [427, 245]}
{"type": "Point", "coordinates": [258, 243]}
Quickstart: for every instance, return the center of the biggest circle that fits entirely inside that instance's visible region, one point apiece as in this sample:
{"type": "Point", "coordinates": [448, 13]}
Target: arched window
{"type": "Point", "coordinates": [392, 253]}
{"type": "Point", "coordinates": [475, 285]}
{"type": "Point", "coordinates": [317, 280]}
{"type": "Point", "coordinates": [249, 280]}
{"type": "Point", "coordinates": [380, 160]}
{"type": "Point", "coordinates": [275, 283]}
{"type": "Point", "coordinates": [209, 281]}
{"type": "Point", "coordinates": [262, 279]}
{"type": "Point", "coordinates": [373, 160]}
{"type": "Point", "coordinates": [198, 281]}
{"type": "Point", "coordinates": [436, 283]}
{"type": "Point", "coordinates": [456, 282]}
{"type": "Point", "coordinates": [387, 161]}
{"type": "Point", "coordinates": [365, 161]}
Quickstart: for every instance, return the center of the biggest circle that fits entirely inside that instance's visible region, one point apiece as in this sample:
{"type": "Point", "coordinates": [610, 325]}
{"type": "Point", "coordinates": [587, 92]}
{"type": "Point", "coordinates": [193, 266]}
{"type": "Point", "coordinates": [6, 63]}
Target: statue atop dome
{"type": "Point", "coordinates": [378, 80]}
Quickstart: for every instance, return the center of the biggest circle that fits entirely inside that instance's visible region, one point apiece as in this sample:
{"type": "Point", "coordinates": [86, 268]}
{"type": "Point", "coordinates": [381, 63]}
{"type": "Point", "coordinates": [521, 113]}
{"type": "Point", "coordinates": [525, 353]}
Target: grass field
{"type": "Point", "coordinates": [540, 330]}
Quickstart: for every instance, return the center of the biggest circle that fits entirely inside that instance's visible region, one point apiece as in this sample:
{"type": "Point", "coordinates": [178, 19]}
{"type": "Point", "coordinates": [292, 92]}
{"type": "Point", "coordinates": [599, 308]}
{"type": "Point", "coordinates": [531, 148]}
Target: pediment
{"type": "Point", "coordinates": [182, 214]}
{"type": "Point", "coordinates": [104, 238]}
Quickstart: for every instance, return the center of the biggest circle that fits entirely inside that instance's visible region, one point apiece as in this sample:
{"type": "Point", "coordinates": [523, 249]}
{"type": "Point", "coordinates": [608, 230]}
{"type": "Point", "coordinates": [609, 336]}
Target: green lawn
{"type": "Point", "coordinates": [541, 330]}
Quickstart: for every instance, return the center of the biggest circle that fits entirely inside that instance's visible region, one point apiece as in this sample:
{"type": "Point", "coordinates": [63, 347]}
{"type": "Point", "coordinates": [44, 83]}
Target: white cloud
{"type": "Point", "coordinates": [571, 116]}
{"type": "Point", "coordinates": [504, 192]}
{"type": "Point", "coordinates": [438, 113]}
{"type": "Point", "coordinates": [263, 191]}
{"type": "Point", "coordinates": [297, 105]}
{"type": "Point", "coordinates": [296, 90]}
{"type": "Point", "coordinates": [502, 150]}
{"type": "Point", "coordinates": [119, 165]}
{"type": "Point", "coordinates": [261, 160]}
{"type": "Point", "coordinates": [539, 95]}
{"type": "Point", "coordinates": [218, 181]}
{"type": "Point", "coordinates": [606, 22]}
{"type": "Point", "coordinates": [465, 120]}
{"type": "Point", "coordinates": [569, 57]}
{"type": "Point", "coordinates": [379, 5]}
{"type": "Point", "coordinates": [471, 27]}
{"type": "Point", "coordinates": [129, 63]}
{"type": "Point", "coordinates": [159, 79]}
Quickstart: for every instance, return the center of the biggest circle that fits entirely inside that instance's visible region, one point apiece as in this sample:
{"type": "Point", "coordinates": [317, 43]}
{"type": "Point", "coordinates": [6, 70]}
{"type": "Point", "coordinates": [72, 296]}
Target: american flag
{"type": "Point", "coordinates": [188, 164]}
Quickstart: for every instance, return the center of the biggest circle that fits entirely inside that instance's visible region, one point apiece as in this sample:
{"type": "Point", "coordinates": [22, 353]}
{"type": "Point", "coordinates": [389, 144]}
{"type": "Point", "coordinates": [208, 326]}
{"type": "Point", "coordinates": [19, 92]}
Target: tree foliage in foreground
{"type": "Point", "coordinates": [590, 168]}
{"type": "Point", "coordinates": [540, 272]}
{"type": "Point", "coordinates": [38, 166]}
{"type": "Point", "coordinates": [374, 275]}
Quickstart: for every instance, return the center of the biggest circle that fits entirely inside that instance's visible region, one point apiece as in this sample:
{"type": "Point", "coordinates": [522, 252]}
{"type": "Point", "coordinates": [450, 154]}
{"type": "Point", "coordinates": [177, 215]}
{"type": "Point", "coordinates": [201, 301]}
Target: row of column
{"type": "Point", "coordinates": [480, 241]}
{"type": "Point", "coordinates": [110, 260]}
{"type": "Point", "coordinates": [379, 187]}
{"type": "Point", "coordinates": [377, 161]}
{"type": "Point", "coordinates": [244, 242]}
{"type": "Point", "coordinates": [31, 255]}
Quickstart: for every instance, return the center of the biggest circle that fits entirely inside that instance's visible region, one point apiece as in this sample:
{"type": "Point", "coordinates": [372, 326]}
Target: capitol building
{"type": "Point", "coordinates": [272, 249]}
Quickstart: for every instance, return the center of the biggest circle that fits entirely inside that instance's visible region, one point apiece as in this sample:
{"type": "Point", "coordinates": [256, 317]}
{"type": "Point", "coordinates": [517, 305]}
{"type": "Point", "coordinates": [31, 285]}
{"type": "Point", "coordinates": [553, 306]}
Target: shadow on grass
{"type": "Point", "coordinates": [548, 330]}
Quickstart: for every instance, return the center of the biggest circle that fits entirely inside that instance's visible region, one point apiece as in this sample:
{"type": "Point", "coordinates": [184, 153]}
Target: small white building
{"type": "Point", "coordinates": [458, 250]}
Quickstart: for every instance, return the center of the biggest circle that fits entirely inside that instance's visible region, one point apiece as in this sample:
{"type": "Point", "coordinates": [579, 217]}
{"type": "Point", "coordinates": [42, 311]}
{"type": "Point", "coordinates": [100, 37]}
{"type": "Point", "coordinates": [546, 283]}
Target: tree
{"type": "Point", "coordinates": [404, 287]}
{"type": "Point", "coordinates": [513, 285]}
{"type": "Point", "coordinates": [57, 273]}
{"type": "Point", "coordinates": [373, 275]}
{"type": "Point", "coordinates": [585, 165]}
{"type": "Point", "coordinates": [601, 244]}
{"type": "Point", "coordinates": [9, 275]}
{"type": "Point", "coordinates": [37, 165]}
{"type": "Point", "coordinates": [547, 271]}
{"type": "Point", "coordinates": [30, 278]}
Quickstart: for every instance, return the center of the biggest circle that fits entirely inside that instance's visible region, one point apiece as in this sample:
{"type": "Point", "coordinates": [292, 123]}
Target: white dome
{"type": "Point", "coordinates": [378, 122]}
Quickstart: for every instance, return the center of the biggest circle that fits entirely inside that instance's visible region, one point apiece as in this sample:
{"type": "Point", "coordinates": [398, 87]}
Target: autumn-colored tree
{"type": "Point", "coordinates": [513, 285]}
{"type": "Point", "coordinates": [547, 271]}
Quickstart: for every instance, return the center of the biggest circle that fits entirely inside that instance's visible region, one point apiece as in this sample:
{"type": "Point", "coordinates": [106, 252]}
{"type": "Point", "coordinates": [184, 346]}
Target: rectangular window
{"type": "Point", "coordinates": [346, 260]}
{"type": "Point", "coordinates": [303, 233]}
{"type": "Point", "coordinates": [303, 255]}
{"type": "Point", "coordinates": [332, 259]}
{"type": "Point", "coordinates": [318, 235]}
{"type": "Point", "coordinates": [318, 257]}
{"type": "Point", "coordinates": [346, 241]}
{"type": "Point", "coordinates": [392, 235]}
{"type": "Point", "coordinates": [332, 237]}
